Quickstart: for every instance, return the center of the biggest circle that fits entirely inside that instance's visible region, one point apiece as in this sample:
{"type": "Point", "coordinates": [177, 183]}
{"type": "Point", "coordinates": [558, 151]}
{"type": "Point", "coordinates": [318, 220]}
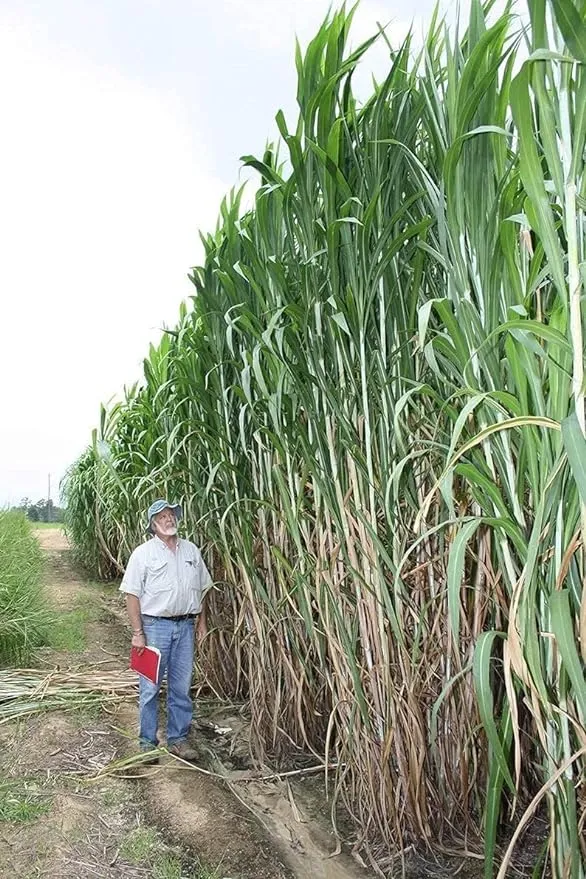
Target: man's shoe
{"type": "Point", "coordinates": [183, 750]}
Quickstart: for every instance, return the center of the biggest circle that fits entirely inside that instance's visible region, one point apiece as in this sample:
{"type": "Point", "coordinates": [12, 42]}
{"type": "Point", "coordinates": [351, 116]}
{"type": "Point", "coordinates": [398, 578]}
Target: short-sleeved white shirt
{"type": "Point", "coordinates": [167, 583]}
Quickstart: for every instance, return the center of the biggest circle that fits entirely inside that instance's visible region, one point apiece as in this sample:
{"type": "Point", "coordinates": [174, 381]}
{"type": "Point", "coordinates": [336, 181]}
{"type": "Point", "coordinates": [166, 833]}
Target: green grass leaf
{"type": "Point", "coordinates": [563, 627]}
{"type": "Point", "coordinates": [481, 672]}
{"type": "Point", "coordinates": [575, 446]}
{"type": "Point", "coordinates": [572, 26]}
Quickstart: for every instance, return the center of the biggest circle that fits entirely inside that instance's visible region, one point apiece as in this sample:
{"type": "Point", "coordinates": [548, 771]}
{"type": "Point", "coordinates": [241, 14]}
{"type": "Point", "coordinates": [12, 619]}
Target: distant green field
{"type": "Point", "coordinates": [43, 525]}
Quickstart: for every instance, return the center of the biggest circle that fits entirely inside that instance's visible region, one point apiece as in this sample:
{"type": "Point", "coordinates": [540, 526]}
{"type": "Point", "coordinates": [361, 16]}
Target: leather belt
{"type": "Point", "coordinates": [185, 616]}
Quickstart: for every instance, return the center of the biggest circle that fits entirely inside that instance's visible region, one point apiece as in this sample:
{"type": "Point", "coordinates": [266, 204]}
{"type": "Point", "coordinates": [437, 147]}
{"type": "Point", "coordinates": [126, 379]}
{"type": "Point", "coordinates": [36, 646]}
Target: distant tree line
{"type": "Point", "coordinates": [43, 511]}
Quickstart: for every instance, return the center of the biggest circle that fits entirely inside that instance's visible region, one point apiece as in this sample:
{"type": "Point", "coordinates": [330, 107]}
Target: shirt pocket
{"type": "Point", "coordinates": [192, 571]}
{"type": "Point", "coordinates": [157, 579]}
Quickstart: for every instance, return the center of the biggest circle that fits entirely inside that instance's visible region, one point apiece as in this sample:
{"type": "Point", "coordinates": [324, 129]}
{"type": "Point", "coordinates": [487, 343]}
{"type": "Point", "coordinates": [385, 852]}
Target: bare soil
{"type": "Point", "coordinates": [199, 826]}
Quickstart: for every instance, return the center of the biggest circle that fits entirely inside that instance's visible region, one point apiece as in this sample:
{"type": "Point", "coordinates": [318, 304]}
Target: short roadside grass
{"type": "Point", "coordinates": [68, 628]}
{"type": "Point", "coordinates": [22, 801]}
{"type": "Point", "coordinates": [144, 846]}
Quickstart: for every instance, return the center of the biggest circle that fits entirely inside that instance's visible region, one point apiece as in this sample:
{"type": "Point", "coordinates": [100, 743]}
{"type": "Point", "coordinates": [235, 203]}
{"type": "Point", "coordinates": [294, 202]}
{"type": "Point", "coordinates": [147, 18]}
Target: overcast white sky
{"type": "Point", "coordinates": [122, 125]}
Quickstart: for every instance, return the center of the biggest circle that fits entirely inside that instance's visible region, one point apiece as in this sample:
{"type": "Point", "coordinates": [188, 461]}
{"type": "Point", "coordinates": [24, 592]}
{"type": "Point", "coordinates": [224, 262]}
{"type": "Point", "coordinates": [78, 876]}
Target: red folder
{"type": "Point", "coordinates": [146, 663]}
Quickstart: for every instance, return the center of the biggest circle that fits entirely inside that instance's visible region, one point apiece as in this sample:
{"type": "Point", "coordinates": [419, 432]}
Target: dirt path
{"type": "Point", "coordinates": [168, 822]}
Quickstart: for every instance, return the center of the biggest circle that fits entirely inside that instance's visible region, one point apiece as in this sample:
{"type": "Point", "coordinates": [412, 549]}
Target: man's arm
{"type": "Point", "coordinates": [132, 586]}
{"type": "Point", "coordinates": [133, 608]}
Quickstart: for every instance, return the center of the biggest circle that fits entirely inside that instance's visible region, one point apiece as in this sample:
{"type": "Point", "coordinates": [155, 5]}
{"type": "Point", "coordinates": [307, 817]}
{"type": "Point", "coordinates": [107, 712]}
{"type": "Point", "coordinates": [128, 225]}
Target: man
{"type": "Point", "coordinates": [165, 584]}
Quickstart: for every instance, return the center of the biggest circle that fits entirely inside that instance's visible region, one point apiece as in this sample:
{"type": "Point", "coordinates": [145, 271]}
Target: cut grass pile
{"type": "Point", "coordinates": [23, 607]}
{"type": "Point", "coordinates": [33, 691]}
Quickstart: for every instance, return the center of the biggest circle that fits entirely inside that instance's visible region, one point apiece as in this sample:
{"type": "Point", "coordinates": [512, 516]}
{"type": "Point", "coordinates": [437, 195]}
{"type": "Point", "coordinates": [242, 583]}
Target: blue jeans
{"type": "Point", "coordinates": [175, 640]}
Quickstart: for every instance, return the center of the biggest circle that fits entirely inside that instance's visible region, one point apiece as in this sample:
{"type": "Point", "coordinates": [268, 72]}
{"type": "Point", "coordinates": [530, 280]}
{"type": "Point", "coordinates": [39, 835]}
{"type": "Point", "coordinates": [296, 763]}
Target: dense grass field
{"type": "Point", "coordinates": [23, 609]}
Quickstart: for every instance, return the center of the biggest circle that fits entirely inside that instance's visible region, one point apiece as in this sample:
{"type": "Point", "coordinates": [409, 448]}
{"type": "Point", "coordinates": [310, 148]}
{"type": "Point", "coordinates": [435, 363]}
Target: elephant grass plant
{"type": "Point", "coordinates": [373, 415]}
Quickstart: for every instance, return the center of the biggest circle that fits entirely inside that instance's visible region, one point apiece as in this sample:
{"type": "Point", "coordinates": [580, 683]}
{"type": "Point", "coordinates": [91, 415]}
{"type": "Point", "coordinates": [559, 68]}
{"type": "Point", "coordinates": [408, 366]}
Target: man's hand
{"type": "Point", "coordinates": [139, 641]}
{"type": "Point", "coordinates": [201, 628]}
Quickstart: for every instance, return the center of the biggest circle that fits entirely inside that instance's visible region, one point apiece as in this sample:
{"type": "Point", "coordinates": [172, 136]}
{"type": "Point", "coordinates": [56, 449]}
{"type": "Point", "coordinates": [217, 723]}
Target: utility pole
{"type": "Point", "coordinates": [49, 500]}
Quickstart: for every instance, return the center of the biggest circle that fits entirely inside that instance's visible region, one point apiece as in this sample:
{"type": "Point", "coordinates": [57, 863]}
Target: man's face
{"type": "Point", "coordinates": [164, 524]}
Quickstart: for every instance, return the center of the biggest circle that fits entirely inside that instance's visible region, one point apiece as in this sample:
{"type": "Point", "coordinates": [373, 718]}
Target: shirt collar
{"type": "Point", "coordinates": [162, 543]}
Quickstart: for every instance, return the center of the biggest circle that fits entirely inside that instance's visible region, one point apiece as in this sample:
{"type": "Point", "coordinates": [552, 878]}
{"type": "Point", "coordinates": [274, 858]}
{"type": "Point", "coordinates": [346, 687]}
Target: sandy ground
{"type": "Point", "coordinates": [252, 830]}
